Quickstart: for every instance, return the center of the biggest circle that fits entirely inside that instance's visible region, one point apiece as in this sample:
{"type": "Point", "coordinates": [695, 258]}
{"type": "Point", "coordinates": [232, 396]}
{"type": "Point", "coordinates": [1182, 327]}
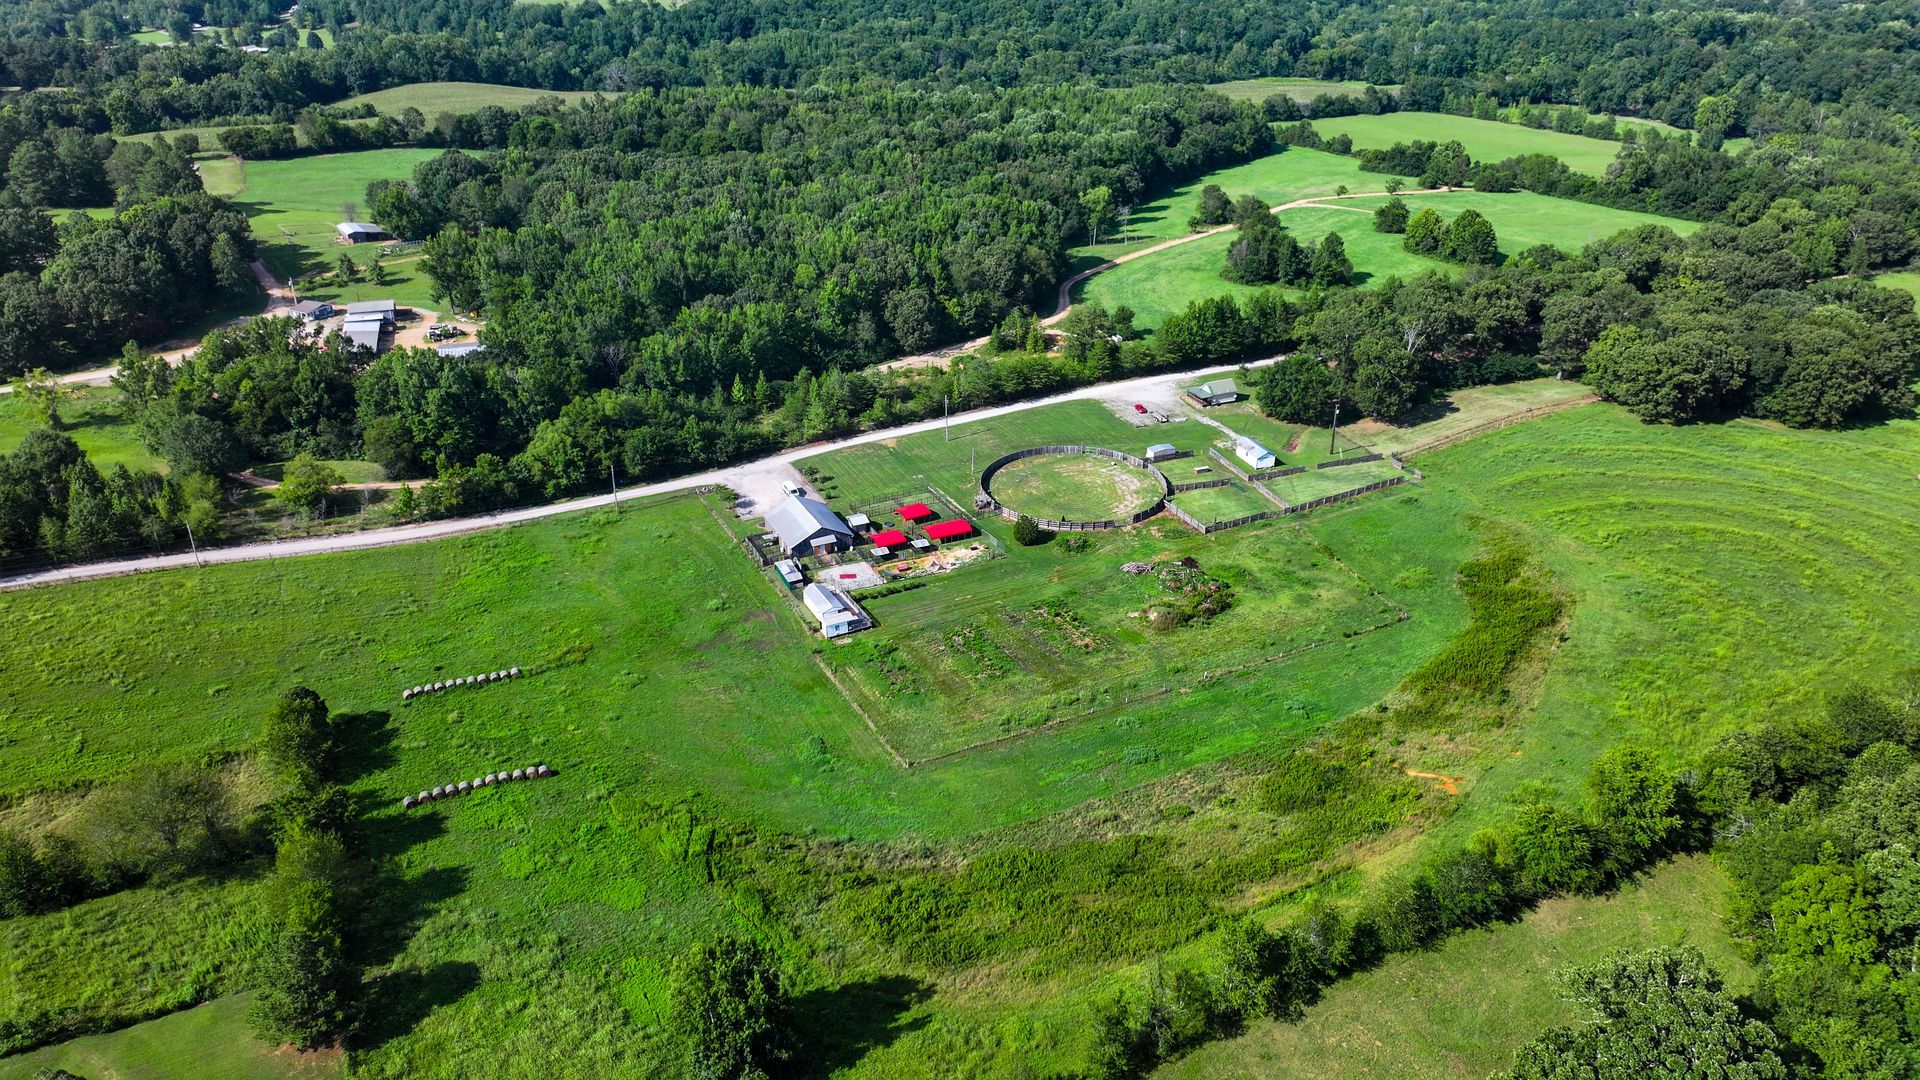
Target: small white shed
{"type": "Point", "coordinates": [1255, 455]}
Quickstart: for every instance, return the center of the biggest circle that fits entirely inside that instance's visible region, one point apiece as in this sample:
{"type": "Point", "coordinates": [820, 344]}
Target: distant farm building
{"type": "Point", "coordinates": [460, 348]}
{"type": "Point", "coordinates": [916, 512]}
{"type": "Point", "coordinates": [1217, 392]}
{"type": "Point", "coordinates": [369, 324]}
{"type": "Point", "coordinates": [952, 529]}
{"type": "Point", "coordinates": [1255, 455]}
{"type": "Point", "coordinates": [790, 573]}
{"type": "Point", "coordinates": [859, 522]}
{"type": "Point", "coordinates": [837, 614]}
{"type": "Point", "coordinates": [360, 232]}
{"type": "Point", "coordinates": [313, 310]}
{"type": "Point", "coordinates": [1162, 451]}
{"type": "Point", "coordinates": [805, 526]}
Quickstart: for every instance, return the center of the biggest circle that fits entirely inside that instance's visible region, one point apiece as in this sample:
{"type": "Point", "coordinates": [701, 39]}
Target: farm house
{"type": "Point", "coordinates": [1255, 455]}
{"type": "Point", "coordinates": [1217, 392]}
{"type": "Point", "coordinates": [806, 526]}
{"type": "Point", "coordinates": [837, 614]}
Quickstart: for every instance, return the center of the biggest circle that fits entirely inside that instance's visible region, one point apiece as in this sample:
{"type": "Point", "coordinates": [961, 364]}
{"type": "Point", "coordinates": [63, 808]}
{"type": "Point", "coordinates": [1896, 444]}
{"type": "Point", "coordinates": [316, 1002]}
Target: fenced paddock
{"type": "Point", "coordinates": [986, 500]}
{"type": "Point", "coordinates": [1203, 524]}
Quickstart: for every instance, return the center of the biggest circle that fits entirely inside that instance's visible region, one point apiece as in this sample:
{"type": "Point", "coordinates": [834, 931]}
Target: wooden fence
{"type": "Point", "coordinates": [1201, 485]}
{"type": "Point", "coordinates": [984, 500]}
{"type": "Point", "coordinates": [1275, 474]}
{"type": "Point", "coordinates": [1498, 422]}
{"type": "Point", "coordinates": [1286, 508]}
{"type": "Point", "coordinates": [1348, 461]}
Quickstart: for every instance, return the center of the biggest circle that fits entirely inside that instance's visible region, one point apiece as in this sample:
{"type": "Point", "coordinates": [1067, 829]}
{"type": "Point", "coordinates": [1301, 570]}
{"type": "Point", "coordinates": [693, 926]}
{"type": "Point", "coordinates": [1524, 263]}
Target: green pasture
{"type": "Point", "coordinates": [1485, 140]}
{"type": "Point", "coordinates": [295, 204]}
{"type": "Point", "coordinates": [223, 176]}
{"type": "Point", "coordinates": [433, 98]}
{"type": "Point", "coordinates": [1075, 487]}
{"type": "Point", "coordinates": [1292, 173]}
{"type": "Point", "coordinates": [1464, 1007]}
{"type": "Point", "coordinates": [1300, 90]}
{"type": "Point", "coordinates": [1160, 284]}
{"type": "Point", "coordinates": [1236, 500]}
{"type": "Point", "coordinates": [209, 1042]}
{"type": "Point", "coordinates": [1458, 412]}
{"type": "Point", "coordinates": [92, 415]}
{"type": "Point", "coordinates": [1713, 574]}
{"type": "Point", "coordinates": [1907, 281]}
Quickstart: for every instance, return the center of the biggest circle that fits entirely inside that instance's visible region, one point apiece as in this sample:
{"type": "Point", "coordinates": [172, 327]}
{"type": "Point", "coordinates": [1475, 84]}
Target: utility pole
{"type": "Point", "coordinates": [615, 484]}
{"type": "Point", "coordinates": [946, 427]}
{"type": "Point", "coordinates": [1334, 434]}
{"type": "Point", "coordinates": [194, 545]}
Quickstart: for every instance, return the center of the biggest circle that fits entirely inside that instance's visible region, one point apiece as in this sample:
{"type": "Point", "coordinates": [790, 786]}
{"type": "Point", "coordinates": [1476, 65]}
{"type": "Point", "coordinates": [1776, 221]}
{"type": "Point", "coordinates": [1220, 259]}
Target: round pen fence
{"type": "Point", "coordinates": [985, 499]}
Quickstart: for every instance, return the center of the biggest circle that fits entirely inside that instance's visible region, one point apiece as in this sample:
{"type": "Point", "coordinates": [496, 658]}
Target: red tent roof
{"type": "Point", "coordinates": [915, 511]}
{"type": "Point", "coordinates": [889, 538]}
{"type": "Point", "coordinates": [947, 530]}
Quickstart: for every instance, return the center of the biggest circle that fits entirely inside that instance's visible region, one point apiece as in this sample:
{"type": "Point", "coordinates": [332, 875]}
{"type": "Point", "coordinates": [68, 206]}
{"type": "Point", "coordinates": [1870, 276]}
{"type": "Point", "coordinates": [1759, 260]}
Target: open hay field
{"type": "Point", "coordinates": [1075, 487]}
{"type": "Point", "coordinates": [1463, 1008]}
{"type": "Point", "coordinates": [1160, 284]}
{"type": "Point", "coordinates": [433, 98]}
{"type": "Point", "coordinates": [1300, 90]}
{"type": "Point", "coordinates": [1292, 173]}
{"type": "Point", "coordinates": [295, 204]}
{"type": "Point", "coordinates": [1907, 281]}
{"type": "Point", "coordinates": [1485, 140]}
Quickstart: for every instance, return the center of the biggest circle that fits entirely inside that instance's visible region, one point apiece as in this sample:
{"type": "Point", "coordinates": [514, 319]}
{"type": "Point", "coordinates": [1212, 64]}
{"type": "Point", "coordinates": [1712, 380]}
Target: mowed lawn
{"type": "Point", "coordinates": [433, 98]}
{"type": "Point", "coordinates": [1160, 284]}
{"type": "Point", "coordinates": [1462, 1008]}
{"type": "Point", "coordinates": [1075, 487]}
{"type": "Point", "coordinates": [92, 416]}
{"type": "Point", "coordinates": [1485, 140]}
{"type": "Point", "coordinates": [294, 206]}
{"type": "Point", "coordinates": [1907, 281]}
{"type": "Point", "coordinates": [207, 1042]}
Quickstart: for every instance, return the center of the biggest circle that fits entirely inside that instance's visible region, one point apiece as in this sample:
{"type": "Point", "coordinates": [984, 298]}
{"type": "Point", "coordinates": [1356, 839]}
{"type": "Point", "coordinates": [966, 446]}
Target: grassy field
{"type": "Point", "coordinates": [1278, 178]}
{"type": "Point", "coordinates": [1907, 281]}
{"type": "Point", "coordinates": [210, 1042]}
{"type": "Point", "coordinates": [92, 416]}
{"type": "Point", "coordinates": [1459, 412]}
{"type": "Point", "coordinates": [1485, 140]}
{"type": "Point", "coordinates": [1160, 284]}
{"type": "Point", "coordinates": [295, 204]}
{"type": "Point", "coordinates": [433, 98]}
{"type": "Point", "coordinates": [1300, 90]}
{"type": "Point", "coordinates": [1074, 487]}
{"type": "Point", "coordinates": [1463, 1008]}
{"type": "Point", "coordinates": [1714, 575]}
{"type": "Point", "coordinates": [224, 176]}
{"type": "Point", "coordinates": [1236, 500]}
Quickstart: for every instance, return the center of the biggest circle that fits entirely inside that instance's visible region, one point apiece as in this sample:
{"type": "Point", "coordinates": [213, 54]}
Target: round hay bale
{"type": "Point", "coordinates": [513, 673]}
{"type": "Point", "coordinates": [463, 787]}
{"type": "Point", "coordinates": [405, 694]}
{"type": "Point", "coordinates": [498, 675]}
{"type": "Point", "coordinates": [543, 770]}
{"type": "Point", "coordinates": [406, 802]}
{"type": "Point", "coordinates": [423, 796]}
{"type": "Point", "coordinates": [439, 793]}
{"type": "Point", "coordinates": [493, 778]}
{"type": "Point", "coordinates": [519, 774]}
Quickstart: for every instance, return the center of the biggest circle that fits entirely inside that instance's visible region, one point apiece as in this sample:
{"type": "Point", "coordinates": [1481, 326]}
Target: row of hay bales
{"type": "Point", "coordinates": [469, 680]}
{"type": "Point", "coordinates": [491, 779]}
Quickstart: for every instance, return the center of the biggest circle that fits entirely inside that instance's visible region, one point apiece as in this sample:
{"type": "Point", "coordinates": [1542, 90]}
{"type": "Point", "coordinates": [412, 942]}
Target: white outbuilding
{"type": "Point", "coordinates": [1255, 455]}
{"type": "Point", "coordinates": [836, 613]}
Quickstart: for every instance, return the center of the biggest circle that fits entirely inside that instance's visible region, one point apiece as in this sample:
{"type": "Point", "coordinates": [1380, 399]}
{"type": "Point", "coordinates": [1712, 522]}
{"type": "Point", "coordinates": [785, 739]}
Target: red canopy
{"type": "Point", "coordinates": [947, 530]}
{"type": "Point", "coordinates": [916, 512]}
{"type": "Point", "coordinates": [889, 538]}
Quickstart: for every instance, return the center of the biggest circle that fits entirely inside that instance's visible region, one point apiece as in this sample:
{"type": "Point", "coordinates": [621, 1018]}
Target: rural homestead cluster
{"type": "Point", "coordinates": [807, 536]}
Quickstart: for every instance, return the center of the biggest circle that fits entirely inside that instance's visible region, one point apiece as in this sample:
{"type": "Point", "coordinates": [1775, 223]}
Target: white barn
{"type": "Point", "coordinates": [1255, 455]}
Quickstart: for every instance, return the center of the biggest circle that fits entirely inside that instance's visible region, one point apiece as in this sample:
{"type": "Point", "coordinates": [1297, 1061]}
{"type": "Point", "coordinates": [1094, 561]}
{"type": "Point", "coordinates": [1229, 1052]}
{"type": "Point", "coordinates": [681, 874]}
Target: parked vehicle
{"type": "Point", "coordinates": [1139, 408]}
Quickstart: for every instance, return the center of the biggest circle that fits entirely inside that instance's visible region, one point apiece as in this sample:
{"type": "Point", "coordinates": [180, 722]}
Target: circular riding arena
{"type": "Point", "coordinates": [1085, 485]}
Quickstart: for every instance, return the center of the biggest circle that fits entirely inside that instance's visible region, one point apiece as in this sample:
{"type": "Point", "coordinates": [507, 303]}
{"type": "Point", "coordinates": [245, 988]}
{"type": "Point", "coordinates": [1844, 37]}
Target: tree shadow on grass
{"type": "Point", "coordinates": [395, 1003]}
{"type": "Point", "coordinates": [840, 1026]}
{"type": "Point", "coordinates": [1426, 412]}
{"type": "Point", "coordinates": [366, 743]}
{"type": "Point", "coordinates": [396, 907]}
